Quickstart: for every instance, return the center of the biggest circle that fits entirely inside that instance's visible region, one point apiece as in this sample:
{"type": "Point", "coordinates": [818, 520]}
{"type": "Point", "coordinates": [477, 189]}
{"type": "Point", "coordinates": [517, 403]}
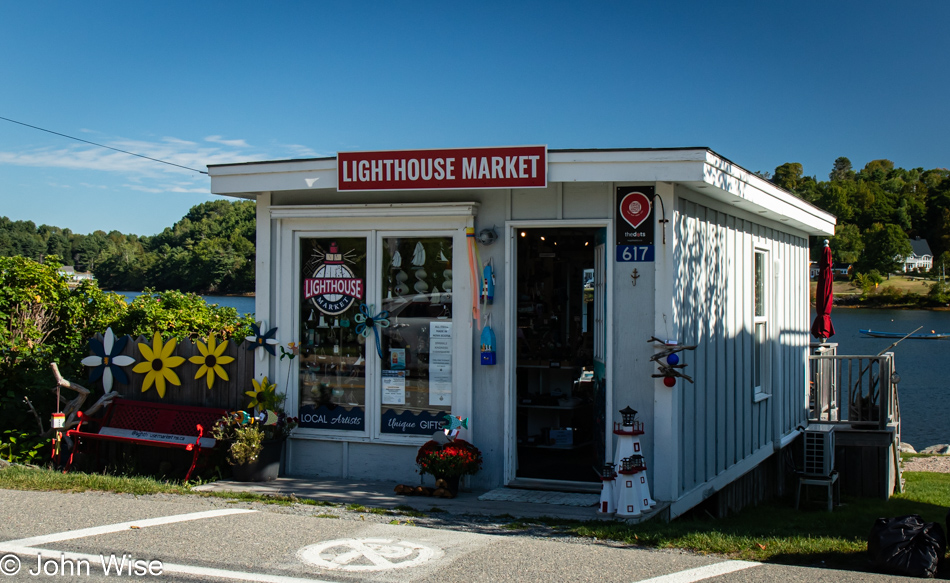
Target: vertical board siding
{"type": "Point", "coordinates": [721, 345]}
{"type": "Point", "coordinates": [721, 422]}
{"type": "Point", "coordinates": [224, 394]}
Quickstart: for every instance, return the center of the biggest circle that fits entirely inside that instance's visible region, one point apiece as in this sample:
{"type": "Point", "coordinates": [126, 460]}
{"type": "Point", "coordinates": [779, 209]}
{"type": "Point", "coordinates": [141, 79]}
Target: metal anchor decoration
{"type": "Point", "coordinates": [668, 362]}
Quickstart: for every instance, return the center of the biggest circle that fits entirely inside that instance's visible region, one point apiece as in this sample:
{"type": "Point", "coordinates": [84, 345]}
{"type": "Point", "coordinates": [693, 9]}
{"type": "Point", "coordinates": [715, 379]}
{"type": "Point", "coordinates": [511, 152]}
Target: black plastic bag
{"type": "Point", "coordinates": [907, 545]}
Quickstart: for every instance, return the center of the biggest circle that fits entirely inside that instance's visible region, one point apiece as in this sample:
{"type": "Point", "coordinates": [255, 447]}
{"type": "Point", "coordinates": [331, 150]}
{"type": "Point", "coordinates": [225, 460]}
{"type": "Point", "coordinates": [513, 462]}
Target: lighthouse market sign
{"type": "Point", "coordinates": [498, 167]}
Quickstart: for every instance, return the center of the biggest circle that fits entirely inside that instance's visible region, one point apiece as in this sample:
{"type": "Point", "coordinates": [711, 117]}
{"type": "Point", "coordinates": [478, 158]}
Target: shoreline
{"type": "Point", "coordinates": [889, 307]}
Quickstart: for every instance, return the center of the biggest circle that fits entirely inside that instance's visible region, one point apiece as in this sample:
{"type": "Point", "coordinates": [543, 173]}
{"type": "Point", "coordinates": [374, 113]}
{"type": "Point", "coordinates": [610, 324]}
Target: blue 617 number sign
{"type": "Point", "coordinates": [635, 253]}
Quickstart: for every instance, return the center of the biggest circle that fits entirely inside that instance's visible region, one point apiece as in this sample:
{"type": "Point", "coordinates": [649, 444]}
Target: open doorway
{"type": "Point", "coordinates": [560, 401]}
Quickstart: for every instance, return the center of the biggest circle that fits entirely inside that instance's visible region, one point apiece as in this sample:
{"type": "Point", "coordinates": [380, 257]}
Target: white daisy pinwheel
{"type": "Point", "coordinates": [107, 360]}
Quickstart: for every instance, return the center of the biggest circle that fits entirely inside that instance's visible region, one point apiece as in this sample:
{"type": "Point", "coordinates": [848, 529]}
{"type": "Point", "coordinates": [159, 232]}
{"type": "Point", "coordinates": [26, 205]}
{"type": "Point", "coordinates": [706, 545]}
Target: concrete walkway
{"type": "Point", "coordinates": [503, 501]}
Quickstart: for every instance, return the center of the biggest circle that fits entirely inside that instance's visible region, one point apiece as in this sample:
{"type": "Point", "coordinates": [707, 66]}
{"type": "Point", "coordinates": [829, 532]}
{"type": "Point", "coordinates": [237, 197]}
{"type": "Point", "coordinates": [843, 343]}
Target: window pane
{"type": "Point", "coordinates": [760, 284]}
{"type": "Point", "coordinates": [331, 366]}
{"type": "Point", "coordinates": [417, 345]}
{"type": "Point", "coordinates": [757, 355]}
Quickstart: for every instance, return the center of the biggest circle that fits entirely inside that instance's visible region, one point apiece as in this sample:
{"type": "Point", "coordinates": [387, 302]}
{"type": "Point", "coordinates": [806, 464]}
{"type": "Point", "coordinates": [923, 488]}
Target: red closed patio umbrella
{"type": "Point", "coordinates": [822, 328]}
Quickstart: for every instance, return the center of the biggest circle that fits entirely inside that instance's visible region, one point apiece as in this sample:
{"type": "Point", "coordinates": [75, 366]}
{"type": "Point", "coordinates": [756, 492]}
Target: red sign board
{"type": "Point", "coordinates": [503, 167]}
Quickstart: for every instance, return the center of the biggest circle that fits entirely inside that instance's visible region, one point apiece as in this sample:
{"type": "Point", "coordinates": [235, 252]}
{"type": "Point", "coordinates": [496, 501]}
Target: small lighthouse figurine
{"type": "Point", "coordinates": [608, 497]}
{"type": "Point", "coordinates": [631, 492]}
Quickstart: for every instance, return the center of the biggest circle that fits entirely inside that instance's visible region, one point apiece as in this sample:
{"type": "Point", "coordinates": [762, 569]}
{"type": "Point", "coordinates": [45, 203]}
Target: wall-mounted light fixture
{"type": "Point", "coordinates": [488, 236]}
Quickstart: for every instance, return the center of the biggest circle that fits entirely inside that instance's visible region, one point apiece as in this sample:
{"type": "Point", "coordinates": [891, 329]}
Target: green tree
{"type": "Point", "coordinates": [884, 247]}
{"type": "Point", "coordinates": [841, 171]}
{"type": "Point", "coordinates": [836, 197]}
{"type": "Point", "coordinates": [876, 171]}
{"type": "Point", "coordinates": [57, 244]}
{"type": "Point", "coordinates": [847, 244]}
{"type": "Point", "coordinates": [788, 176]}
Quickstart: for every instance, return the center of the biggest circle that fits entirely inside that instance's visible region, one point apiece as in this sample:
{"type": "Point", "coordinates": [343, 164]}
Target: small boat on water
{"type": "Point", "coordinates": [921, 336]}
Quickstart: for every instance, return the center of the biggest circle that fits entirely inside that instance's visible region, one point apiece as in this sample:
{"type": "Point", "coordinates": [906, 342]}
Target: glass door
{"type": "Point", "coordinates": [416, 368]}
{"type": "Point", "coordinates": [380, 349]}
{"type": "Point", "coordinates": [332, 363]}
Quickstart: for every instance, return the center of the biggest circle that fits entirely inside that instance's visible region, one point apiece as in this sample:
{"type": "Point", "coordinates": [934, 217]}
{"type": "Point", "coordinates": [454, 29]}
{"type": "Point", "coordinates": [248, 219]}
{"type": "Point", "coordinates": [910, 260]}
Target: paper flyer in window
{"type": "Point", "coordinates": [440, 364]}
{"type": "Point", "coordinates": [394, 387]}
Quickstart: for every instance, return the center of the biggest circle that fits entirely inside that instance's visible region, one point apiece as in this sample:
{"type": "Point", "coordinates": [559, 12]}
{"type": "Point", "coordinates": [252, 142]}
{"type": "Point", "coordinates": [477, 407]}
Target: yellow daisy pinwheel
{"type": "Point", "coordinates": [211, 360]}
{"type": "Point", "coordinates": [264, 395]}
{"type": "Point", "coordinates": [158, 364]}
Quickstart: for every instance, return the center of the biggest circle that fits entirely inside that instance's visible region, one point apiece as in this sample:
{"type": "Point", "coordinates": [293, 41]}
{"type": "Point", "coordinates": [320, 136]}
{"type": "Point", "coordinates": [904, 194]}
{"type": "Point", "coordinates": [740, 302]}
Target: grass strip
{"type": "Point", "coordinates": [776, 532]}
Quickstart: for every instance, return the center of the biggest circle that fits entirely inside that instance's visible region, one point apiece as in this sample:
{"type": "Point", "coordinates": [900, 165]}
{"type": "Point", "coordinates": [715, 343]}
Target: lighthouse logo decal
{"type": "Point", "coordinates": [333, 287]}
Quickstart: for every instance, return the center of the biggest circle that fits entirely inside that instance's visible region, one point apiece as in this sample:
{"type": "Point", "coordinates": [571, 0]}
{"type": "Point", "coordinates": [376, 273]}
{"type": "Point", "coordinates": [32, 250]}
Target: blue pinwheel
{"type": "Point", "coordinates": [365, 321]}
{"type": "Point", "coordinates": [265, 341]}
{"type": "Point", "coordinates": [107, 360]}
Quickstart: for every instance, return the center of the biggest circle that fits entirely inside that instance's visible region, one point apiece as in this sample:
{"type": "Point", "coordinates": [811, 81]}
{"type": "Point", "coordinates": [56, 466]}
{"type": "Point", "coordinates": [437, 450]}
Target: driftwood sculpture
{"type": "Point", "coordinates": [667, 369]}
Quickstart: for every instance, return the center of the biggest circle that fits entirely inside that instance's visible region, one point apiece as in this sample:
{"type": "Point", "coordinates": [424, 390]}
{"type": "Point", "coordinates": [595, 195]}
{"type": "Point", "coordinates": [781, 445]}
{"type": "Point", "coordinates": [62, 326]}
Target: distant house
{"type": "Point", "coordinates": [75, 276]}
{"type": "Point", "coordinates": [922, 259]}
{"type": "Point", "coordinates": [840, 270]}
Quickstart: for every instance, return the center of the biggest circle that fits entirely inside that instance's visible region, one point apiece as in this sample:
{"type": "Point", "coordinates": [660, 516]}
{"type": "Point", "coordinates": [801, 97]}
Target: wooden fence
{"type": "Point", "coordinates": [225, 394]}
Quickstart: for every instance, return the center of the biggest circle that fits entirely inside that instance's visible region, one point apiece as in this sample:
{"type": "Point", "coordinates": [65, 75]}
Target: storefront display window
{"type": "Point", "coordinates": [377, 337]}
{"type": "Point", "coordinates": [416, 369]}
{"type": "Point", "coordinates": [332, 364]}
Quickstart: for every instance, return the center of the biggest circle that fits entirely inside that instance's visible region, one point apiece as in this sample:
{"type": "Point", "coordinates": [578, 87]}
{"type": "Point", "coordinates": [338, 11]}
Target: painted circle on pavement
{"type": "Point", "coordinates": [367, 554]}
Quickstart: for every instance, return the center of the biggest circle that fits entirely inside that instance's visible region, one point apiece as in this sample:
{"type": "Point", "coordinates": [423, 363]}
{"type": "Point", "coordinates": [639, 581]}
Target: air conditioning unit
{"type": "Point", "coordinates": [819, 449]}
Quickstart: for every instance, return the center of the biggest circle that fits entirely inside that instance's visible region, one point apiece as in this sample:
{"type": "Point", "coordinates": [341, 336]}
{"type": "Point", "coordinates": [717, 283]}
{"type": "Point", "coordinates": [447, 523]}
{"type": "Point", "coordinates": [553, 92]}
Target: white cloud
{"type": "Point", "coordinates": [141, 188]}
{"type": "Point", "coordinates": [232, 143]}
{"type": "Point", "coordinates": [299, 151]}
{"type": "Point", "coordinates": [147, 175]}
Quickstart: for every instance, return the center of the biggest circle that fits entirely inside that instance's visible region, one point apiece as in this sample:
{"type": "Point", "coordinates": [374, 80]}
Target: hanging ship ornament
{"type": "Point", "coordinates": [488, 344]}
{"type": "Point", "coordinates": [488, 284]}
{"type": "Point", "coordinates": [446, 277]}
{"type": "Point", "coordinates": [419, 261]}
{"type": "Point", "coordinates": [401, 278]}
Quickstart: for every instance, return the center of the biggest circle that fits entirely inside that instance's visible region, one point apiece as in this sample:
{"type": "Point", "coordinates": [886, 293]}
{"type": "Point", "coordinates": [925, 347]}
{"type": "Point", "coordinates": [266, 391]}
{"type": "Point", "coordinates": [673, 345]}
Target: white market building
{"type": "Point", "coordinates": [702, 252]}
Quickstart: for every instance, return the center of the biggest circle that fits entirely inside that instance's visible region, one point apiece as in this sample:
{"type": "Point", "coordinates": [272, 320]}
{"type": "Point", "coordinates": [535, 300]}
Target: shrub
{"type": "Point", "coordinates": [43, 321]}
{"type": "Point", "coordinates": [181, 315]}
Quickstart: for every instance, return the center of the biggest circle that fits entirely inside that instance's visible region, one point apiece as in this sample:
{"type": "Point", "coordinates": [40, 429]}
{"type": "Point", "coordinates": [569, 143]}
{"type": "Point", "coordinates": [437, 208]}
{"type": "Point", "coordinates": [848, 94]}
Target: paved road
{"type": "Point", "coordinates": [202, 539]}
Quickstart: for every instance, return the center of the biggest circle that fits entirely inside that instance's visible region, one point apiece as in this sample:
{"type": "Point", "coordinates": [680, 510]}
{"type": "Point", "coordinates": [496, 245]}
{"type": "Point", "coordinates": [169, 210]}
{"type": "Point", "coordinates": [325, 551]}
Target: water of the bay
{"type": "Point", "coordinates": [243, 304]}
{"type": "Point", "coordinates": [924, 389]}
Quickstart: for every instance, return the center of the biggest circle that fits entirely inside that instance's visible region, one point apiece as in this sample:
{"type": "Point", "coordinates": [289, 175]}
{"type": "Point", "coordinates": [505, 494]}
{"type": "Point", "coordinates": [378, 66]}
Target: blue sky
{"type": "Point", "coordinates": [197, 83]}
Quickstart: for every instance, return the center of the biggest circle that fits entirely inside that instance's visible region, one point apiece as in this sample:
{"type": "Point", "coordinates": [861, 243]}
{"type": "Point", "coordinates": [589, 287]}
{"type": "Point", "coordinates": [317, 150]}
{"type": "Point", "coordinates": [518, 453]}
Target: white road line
{"type": "Point", "coordinates": [110, 528]}
{"type": "Point", "coordinates": [700, 573]}
{"type": "Point", "coordinates": [167, 568]}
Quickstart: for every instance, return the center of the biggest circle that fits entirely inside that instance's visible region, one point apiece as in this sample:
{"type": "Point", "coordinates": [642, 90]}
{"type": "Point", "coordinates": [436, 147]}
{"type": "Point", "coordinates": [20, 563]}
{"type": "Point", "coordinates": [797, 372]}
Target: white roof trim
{"type": "Point", "coordinates": [698, 168]}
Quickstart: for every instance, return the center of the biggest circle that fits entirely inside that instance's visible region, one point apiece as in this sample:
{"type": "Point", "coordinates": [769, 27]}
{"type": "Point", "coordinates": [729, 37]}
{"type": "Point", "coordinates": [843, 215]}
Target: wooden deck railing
{"type": "Point", "coordinates": [859, 390]}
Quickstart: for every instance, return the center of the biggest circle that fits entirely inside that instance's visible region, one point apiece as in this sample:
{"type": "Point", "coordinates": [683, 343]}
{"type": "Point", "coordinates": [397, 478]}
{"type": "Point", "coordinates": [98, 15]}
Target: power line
{"type": "Point", "coordinates": [101, 145]}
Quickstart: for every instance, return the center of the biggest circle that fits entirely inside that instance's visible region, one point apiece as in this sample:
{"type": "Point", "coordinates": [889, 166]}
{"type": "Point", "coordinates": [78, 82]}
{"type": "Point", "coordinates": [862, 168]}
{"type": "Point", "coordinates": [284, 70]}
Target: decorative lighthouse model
{"type": "Point", "coordinates": [629, 493]}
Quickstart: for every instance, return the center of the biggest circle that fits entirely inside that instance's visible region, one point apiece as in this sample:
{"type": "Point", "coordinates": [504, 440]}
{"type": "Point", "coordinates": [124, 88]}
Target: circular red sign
{"type": "Point", "coordinates": [635, 207]}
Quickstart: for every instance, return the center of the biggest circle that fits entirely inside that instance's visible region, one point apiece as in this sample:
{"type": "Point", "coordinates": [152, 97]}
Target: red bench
{"type": "Point", "coordinates": [152, 424]}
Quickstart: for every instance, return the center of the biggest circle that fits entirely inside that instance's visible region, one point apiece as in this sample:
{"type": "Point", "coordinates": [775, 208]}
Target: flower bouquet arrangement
{"type": "Point", "coordinates": [449, 460]}
{"type": "Point", "coordinates": [244, 434]}
{"type": "Point", "coordinates": [247, 433]}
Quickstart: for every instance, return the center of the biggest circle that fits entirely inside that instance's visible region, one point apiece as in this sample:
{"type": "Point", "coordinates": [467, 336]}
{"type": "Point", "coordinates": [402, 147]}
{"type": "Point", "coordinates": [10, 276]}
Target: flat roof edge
{"type": "Point", "coordinates": [550, 150]}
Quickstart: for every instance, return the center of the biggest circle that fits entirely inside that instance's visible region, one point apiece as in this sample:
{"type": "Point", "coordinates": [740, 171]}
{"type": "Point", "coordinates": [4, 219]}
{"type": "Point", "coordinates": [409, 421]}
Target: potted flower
{"type": "Point", "coordinates": [449, 461]}
{"type": "Point", "coordinates": [256, 441]}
